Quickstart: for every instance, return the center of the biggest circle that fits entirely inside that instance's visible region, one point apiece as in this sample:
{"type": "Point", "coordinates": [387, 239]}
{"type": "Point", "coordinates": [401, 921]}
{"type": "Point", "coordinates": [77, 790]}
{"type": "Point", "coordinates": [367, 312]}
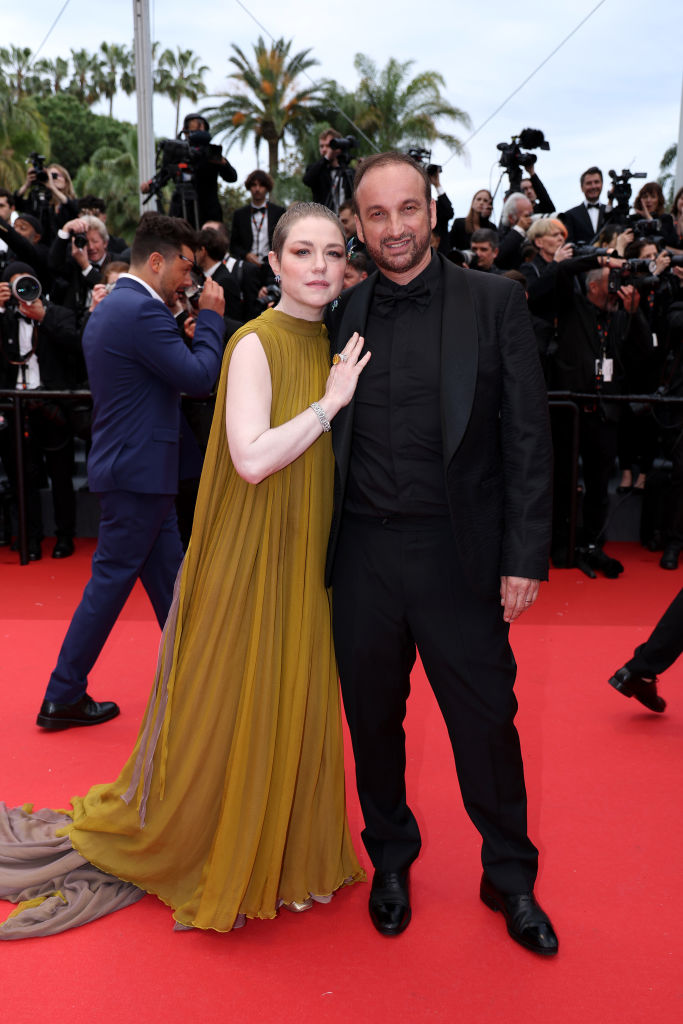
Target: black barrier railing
{"type": "Point", "coordinates": [568, 400]}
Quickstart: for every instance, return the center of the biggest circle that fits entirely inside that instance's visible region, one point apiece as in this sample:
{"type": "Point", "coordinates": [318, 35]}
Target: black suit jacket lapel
{"type": "Point", "coordinates": [459, 357]}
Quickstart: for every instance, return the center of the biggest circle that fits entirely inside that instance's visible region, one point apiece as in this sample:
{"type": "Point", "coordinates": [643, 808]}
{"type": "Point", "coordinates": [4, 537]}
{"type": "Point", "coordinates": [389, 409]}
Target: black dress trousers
{"type": "Point", "coordinates": [397, 585]}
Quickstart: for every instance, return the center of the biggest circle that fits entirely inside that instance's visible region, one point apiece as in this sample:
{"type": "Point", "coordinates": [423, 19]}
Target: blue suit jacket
{"type": "Point", "coordinates": [138, 364]}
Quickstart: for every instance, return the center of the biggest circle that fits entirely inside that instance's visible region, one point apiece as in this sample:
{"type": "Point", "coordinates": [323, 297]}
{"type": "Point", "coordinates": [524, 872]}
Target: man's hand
{"type": "Point", "coordinates": [75, 227]}
{"type": "Point", "coordinates": [33, 310]}
{"type": "Point", "coordinates": [212, 297]}
{"type": "Point", "coordinates": [630, 297]}
{"type": "Point", "coordinates": [516, 595]}
{"type": "Point", "coordinates": [5, 293]}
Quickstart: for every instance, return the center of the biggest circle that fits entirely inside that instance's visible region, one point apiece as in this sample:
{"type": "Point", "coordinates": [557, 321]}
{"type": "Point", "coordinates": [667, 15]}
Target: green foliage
{"type": "Point", "coordinates": [268, 105]}
{"type": "Point", "coordinates": [231, 198]}
{"type": "Point", "coordinates": [112, 173]}
{"type": "Point", "coordinates": [76, 132]}
{"type": "Point", "coordinates": [179, 76]}
{"type": "Point", "coordinates": [22, 131]}
{"type": "Point", "coordinates": [397, 111]}
{"type": "Point", "coordinates": [667, 175]}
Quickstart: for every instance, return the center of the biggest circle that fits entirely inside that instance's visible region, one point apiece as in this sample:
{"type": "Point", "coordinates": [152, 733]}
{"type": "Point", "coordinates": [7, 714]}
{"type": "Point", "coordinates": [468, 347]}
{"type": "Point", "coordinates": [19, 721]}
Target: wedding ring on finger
{"type": "Point", "coordinates": [338, 357]}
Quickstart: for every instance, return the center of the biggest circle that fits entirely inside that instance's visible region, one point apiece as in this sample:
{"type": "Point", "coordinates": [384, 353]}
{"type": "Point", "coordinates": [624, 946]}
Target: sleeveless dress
{"type": "Point", "coordinates": [233, 799]}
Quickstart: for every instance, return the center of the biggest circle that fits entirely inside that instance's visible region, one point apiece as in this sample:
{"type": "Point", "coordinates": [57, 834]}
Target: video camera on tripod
{"type": "Point", "coordinates": [620, 192]}
{"type": "Point", "coordinates": [178, 161]}
{"type": "Point", "coordinates": [424, 157]}
{"type": "Point", "coordinates": [513, 160]}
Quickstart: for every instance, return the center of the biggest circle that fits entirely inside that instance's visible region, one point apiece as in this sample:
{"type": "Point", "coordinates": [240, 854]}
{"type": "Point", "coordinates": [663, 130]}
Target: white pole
{"type": "Point", "coordinates": [143, 87]}
{"type": "Point", "coordinates": [679, 157]}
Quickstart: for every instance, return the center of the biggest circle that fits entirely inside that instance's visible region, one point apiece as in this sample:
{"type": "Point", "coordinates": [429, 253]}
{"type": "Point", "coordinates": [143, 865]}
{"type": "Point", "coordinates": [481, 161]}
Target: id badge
{"type": "Point", "coordinates": [607, 369]}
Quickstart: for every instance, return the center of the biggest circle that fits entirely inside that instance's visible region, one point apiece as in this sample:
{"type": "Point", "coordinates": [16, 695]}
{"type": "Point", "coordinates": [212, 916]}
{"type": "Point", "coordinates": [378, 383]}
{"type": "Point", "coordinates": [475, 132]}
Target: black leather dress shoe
{"type": "Point", "coordinates": [85, 711]}
{"type": "Point", "coordinates": [35, 552]}
{"type": "Point", "coordinates": [526, 922]}
{"type": "Point", "coordinates": [670, 555]}
{"type": "Point", "coordinates": [597, 559]}
{"type": "Point", "coordinates": [64, 548]}
{"type": "Point", "coordinates": [633, 685]}
{"type": "Point", "coordinates": [390, 902]}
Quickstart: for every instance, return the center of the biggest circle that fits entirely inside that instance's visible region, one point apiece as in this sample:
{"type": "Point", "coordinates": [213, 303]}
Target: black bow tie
{"type": "Point", "coordinates": [388, 296]}
{"type": "Point", "coordinates": [258, 209]}
{"type": "Point", "coordinates": [592, 206]}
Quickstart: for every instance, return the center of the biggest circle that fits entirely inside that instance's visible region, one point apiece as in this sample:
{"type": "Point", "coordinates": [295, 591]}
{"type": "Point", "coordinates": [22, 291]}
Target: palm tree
{"type": "Point", "coordinates": [84, 81]}
{"type": "Point", "coordinates": [269, 107]}
{"type": "Point", "coordinates": [397, 111]}
{"type": "Point", "coordinates": [113, 60]}
{"type": "Point", "coordinates": [22, 131]}
{"type": "Point", "coordinates": [179, 77]}
{"type": "Point", "coordinates": [15, 64]}
{"type": "Point", "coordinates": [54, 72]}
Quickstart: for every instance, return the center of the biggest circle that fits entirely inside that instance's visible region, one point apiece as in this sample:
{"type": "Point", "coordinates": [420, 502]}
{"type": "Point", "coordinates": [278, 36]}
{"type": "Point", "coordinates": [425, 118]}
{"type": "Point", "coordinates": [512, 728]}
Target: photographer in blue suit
{"type": "Point", "coordinates": [138, 364]}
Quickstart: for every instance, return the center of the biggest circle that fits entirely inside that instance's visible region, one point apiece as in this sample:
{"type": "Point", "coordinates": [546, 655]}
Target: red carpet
{"type": "Point", "coordinates": [604, 780]}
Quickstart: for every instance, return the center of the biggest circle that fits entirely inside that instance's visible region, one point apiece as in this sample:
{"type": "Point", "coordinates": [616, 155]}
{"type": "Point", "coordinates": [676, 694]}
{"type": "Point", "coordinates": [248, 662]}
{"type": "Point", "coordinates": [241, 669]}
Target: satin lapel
{"type": "Point", "coordinates": [353, 318]}
{"type": "Point", "coordinates": [459, 357]}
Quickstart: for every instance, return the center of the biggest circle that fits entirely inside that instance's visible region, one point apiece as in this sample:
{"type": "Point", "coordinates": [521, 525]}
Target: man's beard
{"type": "Point", "coordinates": [405, 261]}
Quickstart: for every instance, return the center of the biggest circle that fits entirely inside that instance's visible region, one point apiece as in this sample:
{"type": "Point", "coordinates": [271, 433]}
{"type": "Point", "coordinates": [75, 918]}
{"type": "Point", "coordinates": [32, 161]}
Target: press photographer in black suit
{"type": "Point", "coordinates": [251, 238]}
{"type": "Point", "coordinates": [40, 347]}
{"type": "Point", "coordinates": [329, 178]}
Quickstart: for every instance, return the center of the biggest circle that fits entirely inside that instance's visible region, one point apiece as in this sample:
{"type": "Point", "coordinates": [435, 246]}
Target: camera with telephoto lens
{"type": "Point", "coordinates": [37, 162]}
{"type": "Point", "coordinates": [625, 274]}
{"type": "Point", "coordinates": [80, 239]}
{"type": "Point", "coordinates": [342, 148]}
{"type": "Point", "coordinates": [25, 288]}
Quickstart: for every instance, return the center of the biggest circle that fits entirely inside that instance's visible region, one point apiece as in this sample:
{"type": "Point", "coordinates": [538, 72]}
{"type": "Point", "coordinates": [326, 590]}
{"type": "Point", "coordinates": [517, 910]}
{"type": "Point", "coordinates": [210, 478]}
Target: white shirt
{"type": "Point", "coordinates": [134, 277]}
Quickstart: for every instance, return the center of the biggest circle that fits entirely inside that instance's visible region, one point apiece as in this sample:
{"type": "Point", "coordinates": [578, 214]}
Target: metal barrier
{"type": "Point", "coordinates": [569, 400]}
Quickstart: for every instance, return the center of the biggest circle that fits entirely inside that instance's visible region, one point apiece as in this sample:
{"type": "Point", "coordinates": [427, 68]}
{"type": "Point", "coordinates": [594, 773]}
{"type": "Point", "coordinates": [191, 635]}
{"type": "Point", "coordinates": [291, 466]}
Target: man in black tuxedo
{"type": "Point", "coordinates": [441, 515]}
{"type": "Point", "coordinates": [251, 237]}
{"type": "Point", "coordinates": [515, 221]}
{"type": "Point", "coordinates": [210, 251]}
{"type": "Point", "coordinates": [585, 220]}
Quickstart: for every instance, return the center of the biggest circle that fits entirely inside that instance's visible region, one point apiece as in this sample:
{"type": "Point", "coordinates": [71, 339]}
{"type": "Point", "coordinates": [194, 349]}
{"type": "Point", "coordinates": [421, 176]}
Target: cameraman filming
{"type": "Point", "coordinates": [330, 178]}
{"type": "Point", "coordinates": [195, 165]}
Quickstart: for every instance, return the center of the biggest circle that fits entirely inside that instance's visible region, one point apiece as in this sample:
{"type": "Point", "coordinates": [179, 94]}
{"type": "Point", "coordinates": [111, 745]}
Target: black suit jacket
{"type": "Point", "coordinates": [578, 223]}
{"type": "Point", "coordinates": [234, 309]}
{"type": "Point", "coordinates": [495, 430]}
{"type": "Point", "coordinates": [240, 235]}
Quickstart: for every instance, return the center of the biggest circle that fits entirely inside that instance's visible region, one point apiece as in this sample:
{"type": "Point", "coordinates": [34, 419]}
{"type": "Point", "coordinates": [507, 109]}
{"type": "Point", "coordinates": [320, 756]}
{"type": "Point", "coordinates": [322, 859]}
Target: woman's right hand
{"type": "Point", "coordinates": [343, 378]}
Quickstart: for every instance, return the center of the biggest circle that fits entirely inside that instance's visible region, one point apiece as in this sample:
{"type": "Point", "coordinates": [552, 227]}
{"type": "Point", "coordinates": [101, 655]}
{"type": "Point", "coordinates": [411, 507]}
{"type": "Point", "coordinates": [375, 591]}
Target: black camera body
{"type": "Point", "coordinates": [423, 157]}
{"type": "Point", "coordinates": [342, 148]}
{"type": "Point", "coordinates": [621, 191]}
{"type": "Point", "coordinates": [37, 162]}
{"type": "Point", "coordinates": [512, 157]}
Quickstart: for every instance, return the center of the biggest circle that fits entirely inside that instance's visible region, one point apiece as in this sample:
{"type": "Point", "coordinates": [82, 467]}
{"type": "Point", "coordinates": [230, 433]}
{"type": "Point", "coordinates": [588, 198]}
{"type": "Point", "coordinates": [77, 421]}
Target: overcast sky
{"type": "Point", "coordinates": [611, 95]}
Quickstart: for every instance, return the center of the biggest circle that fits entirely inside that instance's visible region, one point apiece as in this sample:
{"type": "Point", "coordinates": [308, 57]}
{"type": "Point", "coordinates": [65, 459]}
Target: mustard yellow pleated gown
{"type": "Point", "coordinates": [233, 797]}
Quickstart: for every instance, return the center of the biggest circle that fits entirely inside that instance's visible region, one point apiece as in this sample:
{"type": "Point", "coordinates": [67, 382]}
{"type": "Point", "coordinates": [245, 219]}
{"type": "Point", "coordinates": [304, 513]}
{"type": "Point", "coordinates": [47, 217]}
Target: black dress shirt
{"type": "Point", "coordinates": [396, 466]}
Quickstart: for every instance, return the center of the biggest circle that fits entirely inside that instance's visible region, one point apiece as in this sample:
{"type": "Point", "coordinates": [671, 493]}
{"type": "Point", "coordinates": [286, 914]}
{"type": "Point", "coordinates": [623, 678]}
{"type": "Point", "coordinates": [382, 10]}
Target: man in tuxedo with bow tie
{"type": "Point", "coordinates": [439, 537]}
{"type": "Point", "coordinates": [585, 220]}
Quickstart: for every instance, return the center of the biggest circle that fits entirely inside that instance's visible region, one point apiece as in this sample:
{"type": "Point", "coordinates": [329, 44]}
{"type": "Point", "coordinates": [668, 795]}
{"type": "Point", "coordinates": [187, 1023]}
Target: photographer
{"type": "Point", "coordinates": [251, 239]}
{"type": "Point", "coordinates": [514, 223]}
{"type": "Point", "coordinates": [670, 420]}
{"type": "Point", "coordinates": [40, 348]}
{"type": "Point", "coordinates": [650, 218]}
{"type": "Point", "coordinates": [77, 257]}
{"type": "Point", "coordinates": [601, 337]}
{"type": "Point", "coordinates": [195, 165]}
{"type": "Point", "coordinates": [94, 206]}
{"type": "Point", "coordinates": [209, 255]}
{"type": "Point", "coordinates": [48, 195]}
{"type": "Point", "coordinates": [22, 241]}
{"type": "Point", "coordinates": [330, 178]}
{"type": "Point", "coordinates": [534, 189]}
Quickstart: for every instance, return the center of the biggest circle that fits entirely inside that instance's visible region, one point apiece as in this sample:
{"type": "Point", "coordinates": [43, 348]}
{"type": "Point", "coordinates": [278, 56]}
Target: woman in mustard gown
{"type": "Point", "coordinates": [232, 802]}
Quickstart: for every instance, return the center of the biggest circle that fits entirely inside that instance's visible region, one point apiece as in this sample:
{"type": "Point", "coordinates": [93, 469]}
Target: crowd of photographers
{"type": "Point", "coordinates": [603, 280]}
